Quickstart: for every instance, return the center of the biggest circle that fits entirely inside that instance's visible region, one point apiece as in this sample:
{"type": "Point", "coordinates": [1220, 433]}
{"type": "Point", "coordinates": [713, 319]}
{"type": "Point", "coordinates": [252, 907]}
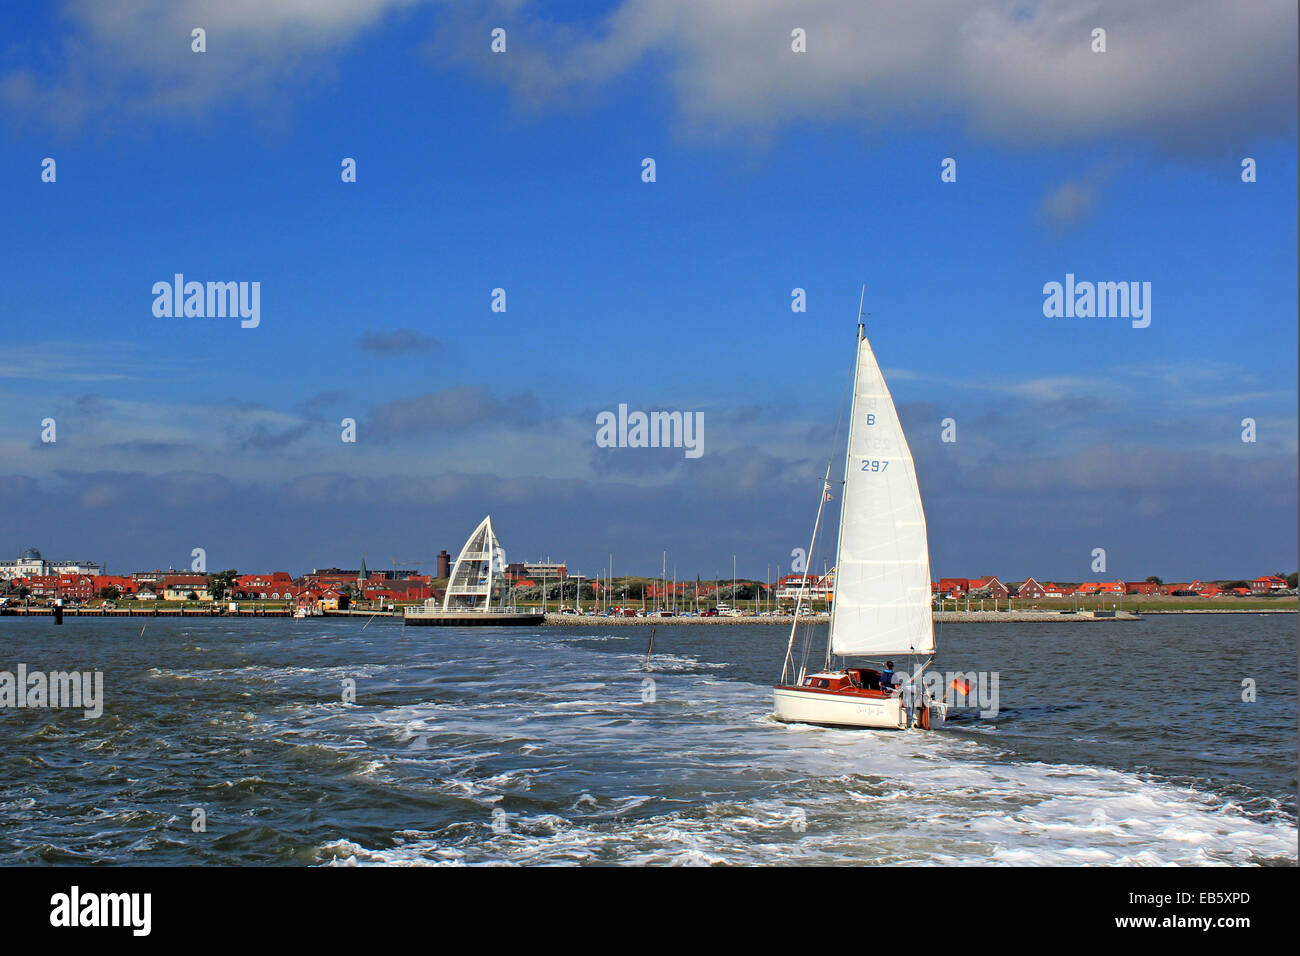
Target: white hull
{"type": "Point", "coordinates": [842, 710]}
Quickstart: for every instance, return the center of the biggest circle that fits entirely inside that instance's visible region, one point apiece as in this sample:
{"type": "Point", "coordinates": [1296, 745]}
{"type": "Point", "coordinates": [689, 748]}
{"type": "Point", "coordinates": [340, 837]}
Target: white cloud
{"type": "Point", "coordinates": [134, 55]}
{"type": "Point", "coordinates": [1184, 73]}
{"type": "Point", "coordinates": [72, 362]}
{"type": "Point", "coordinates": [1075, 199]}
{"type": "Point", "coordinates": [1175, 70]}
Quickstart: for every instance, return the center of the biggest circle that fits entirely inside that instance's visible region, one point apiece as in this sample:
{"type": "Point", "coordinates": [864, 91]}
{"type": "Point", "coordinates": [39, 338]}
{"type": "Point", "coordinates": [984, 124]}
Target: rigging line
{"type": "Point", "coordinates": [830, 461]}
{"type": "Point", "coordinates": [858, 339]}
{"type": "Point", "coordinates": [812, 546]}
{"type": "Point", "coordinates": [843, 484]}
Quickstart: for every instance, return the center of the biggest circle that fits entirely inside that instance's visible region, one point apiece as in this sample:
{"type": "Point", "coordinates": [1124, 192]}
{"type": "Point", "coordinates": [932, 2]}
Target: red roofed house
{"type": "Point", "coordinates": [1031, 589]}
{"type": "Point", "coordinates": [125, 585]}
{"type": "Point", "coordinates": [952, 587]}
{"type": "Point", "coordinates": [407, 589]}
{"type": "Point", "coordinates": [41, 585]}
{"type": "Point", "coordinates": [179, 587]}
{"type": "Point", "coordinates": [275, 587]}
{"type": "Point", "coordinates": [989, 587]}
{"type": "Point", "coordinates": [262, 586]}
{"type": "Point", "coordinates": [1057, 590]}
{"type": "Point", "coordinates": [1142, 587]}
{"type": "Point", "coordinates": [77, 587]}
{"type": "Point", "coordinates": [1267, 583]}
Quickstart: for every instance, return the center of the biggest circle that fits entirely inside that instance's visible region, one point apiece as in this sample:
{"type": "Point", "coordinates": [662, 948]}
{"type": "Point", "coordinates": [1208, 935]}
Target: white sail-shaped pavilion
{"type": "Point", "coordinates": [476, 590]}
{"type": "Point", "coordinates": [478, 572]}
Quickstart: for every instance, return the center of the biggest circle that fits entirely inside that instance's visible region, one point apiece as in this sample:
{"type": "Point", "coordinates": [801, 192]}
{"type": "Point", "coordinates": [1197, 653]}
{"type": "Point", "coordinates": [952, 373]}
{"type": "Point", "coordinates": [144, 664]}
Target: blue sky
{"type": "Point", "coordinates": [522, 170]}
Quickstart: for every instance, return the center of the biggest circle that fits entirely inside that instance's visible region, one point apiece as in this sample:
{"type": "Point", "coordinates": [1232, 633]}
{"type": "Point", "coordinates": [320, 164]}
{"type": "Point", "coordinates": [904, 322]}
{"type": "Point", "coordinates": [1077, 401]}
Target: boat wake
{"type": "Point", "coordinates": [583, 770]}
{"type": "Point", "coordinates": [480, 747]}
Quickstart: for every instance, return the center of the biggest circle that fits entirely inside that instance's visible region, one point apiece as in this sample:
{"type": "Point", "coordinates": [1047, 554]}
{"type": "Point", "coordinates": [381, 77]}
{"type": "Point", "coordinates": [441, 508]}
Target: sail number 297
{"type": "Point", "coordinates": [874, 464]}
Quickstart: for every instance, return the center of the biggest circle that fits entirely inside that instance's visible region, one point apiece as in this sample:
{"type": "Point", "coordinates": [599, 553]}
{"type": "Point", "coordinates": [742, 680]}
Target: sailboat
{"type": "Point", "coordinates": [880, 606]}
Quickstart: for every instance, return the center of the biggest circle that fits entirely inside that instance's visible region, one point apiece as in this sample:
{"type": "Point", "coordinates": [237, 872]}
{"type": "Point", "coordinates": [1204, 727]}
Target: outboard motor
{"type": "Point", "coordinates": [909, 700]}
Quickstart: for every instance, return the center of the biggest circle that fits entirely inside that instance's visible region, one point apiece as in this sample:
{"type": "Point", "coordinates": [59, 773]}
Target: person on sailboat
{"type": "Point", "coordinates": [887, 676]}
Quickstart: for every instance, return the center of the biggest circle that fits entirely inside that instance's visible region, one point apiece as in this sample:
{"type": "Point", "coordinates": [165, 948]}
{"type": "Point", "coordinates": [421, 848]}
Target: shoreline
{"type": "Point", "coordinates": [555, 619]}
{"type": "Point", "coordinates": [979, 617]}
{"type": "Point", "coordinates": [1227, 610]}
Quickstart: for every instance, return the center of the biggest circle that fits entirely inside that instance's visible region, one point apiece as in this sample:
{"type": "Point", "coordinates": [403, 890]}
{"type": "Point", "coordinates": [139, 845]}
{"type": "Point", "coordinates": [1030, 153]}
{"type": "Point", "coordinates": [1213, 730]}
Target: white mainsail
{"type": "Point", "coordinates": [478, 570]}
{"type": "Point", "coordinates": [882, 572]}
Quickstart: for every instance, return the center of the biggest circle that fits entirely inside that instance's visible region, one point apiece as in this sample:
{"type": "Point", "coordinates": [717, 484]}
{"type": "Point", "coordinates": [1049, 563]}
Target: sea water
{"type": "Point", "coordinates": [330, 741]}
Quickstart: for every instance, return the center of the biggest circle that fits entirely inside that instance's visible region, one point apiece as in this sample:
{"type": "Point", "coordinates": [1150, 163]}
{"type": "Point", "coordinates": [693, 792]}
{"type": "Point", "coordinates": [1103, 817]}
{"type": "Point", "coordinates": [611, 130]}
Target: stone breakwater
{"type": "Point", "coordinates": [983, 617]}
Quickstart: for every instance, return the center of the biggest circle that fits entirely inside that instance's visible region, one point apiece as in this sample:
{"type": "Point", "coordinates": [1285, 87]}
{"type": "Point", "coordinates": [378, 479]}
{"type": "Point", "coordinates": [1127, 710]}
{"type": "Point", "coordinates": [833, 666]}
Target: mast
{"type": "Point", "coordinates": [848, 454]}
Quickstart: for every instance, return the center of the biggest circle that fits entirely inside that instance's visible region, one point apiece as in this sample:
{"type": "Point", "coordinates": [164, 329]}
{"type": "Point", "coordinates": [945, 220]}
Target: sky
{"type": "Point", "coordinates": [775, 170]}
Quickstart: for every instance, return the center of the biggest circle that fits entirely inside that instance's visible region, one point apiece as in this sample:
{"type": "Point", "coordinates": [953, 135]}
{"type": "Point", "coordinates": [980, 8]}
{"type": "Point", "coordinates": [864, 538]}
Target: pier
{"type": "Point", "coordinates": [143, 612]}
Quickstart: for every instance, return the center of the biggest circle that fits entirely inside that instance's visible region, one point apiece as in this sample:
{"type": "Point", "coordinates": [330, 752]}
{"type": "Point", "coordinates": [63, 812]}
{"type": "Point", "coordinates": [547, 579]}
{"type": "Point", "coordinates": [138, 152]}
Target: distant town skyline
{"type": "Point", "coordinates": [57, 566]}
{"type": "Point", "coordinates": [498, 277]}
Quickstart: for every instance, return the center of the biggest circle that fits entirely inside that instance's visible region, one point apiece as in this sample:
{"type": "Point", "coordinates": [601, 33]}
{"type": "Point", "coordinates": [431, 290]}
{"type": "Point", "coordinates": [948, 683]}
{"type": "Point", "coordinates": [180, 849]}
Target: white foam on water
{"type": "Point", "coordinates": [585, 772]}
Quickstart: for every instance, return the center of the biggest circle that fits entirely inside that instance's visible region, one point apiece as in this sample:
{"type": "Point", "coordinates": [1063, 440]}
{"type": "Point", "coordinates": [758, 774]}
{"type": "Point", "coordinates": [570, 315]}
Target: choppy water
{"type": "Point", "coordinates": [1116, 743]}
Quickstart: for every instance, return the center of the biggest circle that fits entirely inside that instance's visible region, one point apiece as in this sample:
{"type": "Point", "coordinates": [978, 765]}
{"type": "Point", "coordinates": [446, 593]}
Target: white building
{"type": "Point", "coordinates": [32, 564]}
{"type": "Point", "coordinates": [29, 565]}
{"type": "Point", "coordinates": [819, 588]}
{"type": "Point", "coordinates": [77, 567]}
{"type": "Point", "coordinates": [551, 570]}
{"type": "Point", "coordinates": [181, 591]}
